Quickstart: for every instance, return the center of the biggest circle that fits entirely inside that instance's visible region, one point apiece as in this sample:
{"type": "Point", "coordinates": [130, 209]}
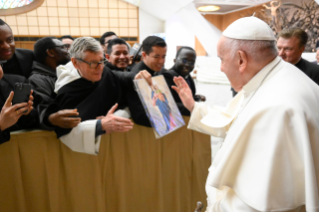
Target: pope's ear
{"type": "Point", "coordinates": [242, 61]}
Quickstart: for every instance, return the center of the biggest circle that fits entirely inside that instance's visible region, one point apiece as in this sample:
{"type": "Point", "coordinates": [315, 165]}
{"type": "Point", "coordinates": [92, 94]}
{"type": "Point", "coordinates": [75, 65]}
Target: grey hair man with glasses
{"type": "Point", "coordinates": [95, 92]}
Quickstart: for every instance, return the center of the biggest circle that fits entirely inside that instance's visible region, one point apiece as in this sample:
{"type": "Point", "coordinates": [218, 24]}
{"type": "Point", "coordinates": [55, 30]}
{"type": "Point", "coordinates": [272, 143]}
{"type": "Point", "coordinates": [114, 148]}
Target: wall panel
{"type": "Point", "coordinates": [76, 17]}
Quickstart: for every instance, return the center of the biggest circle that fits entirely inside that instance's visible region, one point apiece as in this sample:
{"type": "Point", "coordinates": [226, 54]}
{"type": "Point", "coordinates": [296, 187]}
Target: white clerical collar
{"type": "Point", "coordinates": [255, 82]}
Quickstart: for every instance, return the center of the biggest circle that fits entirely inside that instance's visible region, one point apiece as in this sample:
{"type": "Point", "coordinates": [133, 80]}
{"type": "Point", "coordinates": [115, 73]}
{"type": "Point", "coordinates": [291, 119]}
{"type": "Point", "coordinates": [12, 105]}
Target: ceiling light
{"type": "Point", "coordinates": [208, 8]}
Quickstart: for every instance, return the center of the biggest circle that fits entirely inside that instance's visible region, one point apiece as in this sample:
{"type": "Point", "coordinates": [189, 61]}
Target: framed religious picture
{"type": "Point", "coordinates": [159, 105]}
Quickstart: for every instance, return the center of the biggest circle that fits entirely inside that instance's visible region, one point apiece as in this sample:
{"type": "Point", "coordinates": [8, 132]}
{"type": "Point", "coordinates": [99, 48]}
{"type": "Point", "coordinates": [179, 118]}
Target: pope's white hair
{"type": "Point", "coordinates": [257, 49]}
{"type": "Point", "coordinates": [83, 44]}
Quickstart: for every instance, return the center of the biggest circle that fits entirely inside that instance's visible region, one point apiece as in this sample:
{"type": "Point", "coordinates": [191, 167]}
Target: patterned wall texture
{"type": "Point", "coordinates": [77, 18]}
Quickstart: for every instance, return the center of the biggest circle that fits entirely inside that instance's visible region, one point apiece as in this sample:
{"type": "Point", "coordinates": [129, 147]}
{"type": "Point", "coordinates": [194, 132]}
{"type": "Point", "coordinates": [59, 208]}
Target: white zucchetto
{"type": "Point", "coordinates": [249, 28]}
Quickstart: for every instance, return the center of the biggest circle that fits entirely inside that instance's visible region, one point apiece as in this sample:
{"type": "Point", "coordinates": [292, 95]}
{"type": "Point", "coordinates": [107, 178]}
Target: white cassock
{"type": "Point", "coordinates": [269, 160]}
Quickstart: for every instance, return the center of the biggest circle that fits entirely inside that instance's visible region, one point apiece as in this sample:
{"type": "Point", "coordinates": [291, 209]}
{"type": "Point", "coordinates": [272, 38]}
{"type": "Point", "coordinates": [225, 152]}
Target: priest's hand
{"type": "Point", "coordinates": [65, 118]}
{"type": "Point", "coordinates": [144, 75]}
{"type": "Point", "coordinates": [111, 123]}
{"type": "Point", "coordinates": [184, 92]}
{"type": "Point", "coordinates": [10, 114]}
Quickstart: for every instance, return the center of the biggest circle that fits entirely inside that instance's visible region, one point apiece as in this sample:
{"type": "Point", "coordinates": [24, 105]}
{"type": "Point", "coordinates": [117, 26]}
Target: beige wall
{"type": "Point", "coordinates": [77, 18]}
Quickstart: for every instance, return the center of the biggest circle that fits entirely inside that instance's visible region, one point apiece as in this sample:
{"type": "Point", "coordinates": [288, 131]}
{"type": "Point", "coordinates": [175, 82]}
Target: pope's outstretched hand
{"type": "Point", "coordinates": [184, 92]}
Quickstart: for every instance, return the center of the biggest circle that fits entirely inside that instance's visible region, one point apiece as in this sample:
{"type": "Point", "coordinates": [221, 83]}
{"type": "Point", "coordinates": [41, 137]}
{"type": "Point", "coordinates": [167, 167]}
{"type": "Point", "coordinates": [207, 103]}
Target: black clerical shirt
{"type": "Point", "coordinates": [91, 99]}
{"type": "Point", "coordinates": [136, 107]}
{"type": "Point", "coordinates": [310, 69]}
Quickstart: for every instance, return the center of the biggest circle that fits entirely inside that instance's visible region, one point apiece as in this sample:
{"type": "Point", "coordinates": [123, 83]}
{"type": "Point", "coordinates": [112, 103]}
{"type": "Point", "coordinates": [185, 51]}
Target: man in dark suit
{"type": "Point", "coordinates": [291, 43]}
{"type": "Point", "coordinates": [184, 64]}
{"type": "Point", "coordinates": [153, 54]}
{"type": "Point", "coordinates": [15, 61]}
{"type": "Point", "coordinates": [317, 57]}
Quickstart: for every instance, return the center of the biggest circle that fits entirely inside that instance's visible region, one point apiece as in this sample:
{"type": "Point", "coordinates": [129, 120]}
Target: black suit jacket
{"type": "Point", "coordinates": [136, 107]}
{"type": "Point", "coordinates": [169, 75]}
{"type": "Point", "coordinates": [310, 69]}
{"type": "Point", "coordinates": [24, 59]}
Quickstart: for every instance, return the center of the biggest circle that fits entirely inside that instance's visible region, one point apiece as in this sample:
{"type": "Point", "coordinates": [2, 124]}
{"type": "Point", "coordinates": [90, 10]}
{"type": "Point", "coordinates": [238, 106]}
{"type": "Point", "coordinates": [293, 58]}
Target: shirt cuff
{"type": "Point", "coordinates": [98, 128]}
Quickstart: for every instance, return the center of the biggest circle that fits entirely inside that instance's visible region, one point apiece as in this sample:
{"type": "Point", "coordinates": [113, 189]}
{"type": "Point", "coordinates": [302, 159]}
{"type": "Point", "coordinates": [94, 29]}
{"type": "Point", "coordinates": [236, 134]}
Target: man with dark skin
{"type": "Point", "coordinates": [118, 55]}
{"type": "Point", "coordinates": [16, 66]}
{"type": "Point", "coordinates": [184, 64]}
{"type": "Point", "coordinates": [15, 61]}
{"type": "Point", "coordinates": [50, 53]}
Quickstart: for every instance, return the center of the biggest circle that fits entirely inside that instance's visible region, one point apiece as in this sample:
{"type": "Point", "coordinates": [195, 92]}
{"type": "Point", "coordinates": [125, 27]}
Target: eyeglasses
{"type": "Point", "coordinates": [64, 47]}
{"type": "Point", "coordinates": [94, 64]}
{"type": "Point", "coordinates": [189, 62]}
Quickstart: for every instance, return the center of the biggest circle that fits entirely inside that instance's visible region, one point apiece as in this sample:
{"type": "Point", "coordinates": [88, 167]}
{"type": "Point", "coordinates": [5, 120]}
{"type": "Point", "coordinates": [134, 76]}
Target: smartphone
{"type": "Point", "coordinates": [21, 93]}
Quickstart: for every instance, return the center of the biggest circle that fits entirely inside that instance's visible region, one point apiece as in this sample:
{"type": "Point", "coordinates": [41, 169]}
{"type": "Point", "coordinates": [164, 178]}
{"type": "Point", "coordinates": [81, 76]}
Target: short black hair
{"type": "Point", "coordinates": [184, 47]}
{"type": "Point", "coordinates": [65, 37]}
{"type": "Point", "coordinates": [151, 41]}
{"type": "Point", "coordinates": [115, 41]}
{"type": "Point", "coordinates": [4, 23]}
{"type": "Point", "coordinates": [107, 34]}
{"type": "Point", "coordinates": [41, 46]}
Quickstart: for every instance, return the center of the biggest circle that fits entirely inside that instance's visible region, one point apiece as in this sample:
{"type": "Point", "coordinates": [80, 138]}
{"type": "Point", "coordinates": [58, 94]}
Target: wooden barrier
{"type": "Point", "coordinates": [133, 172]}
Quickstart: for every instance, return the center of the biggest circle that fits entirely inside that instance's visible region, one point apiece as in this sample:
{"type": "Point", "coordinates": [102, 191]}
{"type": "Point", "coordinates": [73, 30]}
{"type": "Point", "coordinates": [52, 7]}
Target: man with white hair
{"type": "Point", "coordinates": [94, 91]}
{"type": "Point", "coordinates": [269, 160]}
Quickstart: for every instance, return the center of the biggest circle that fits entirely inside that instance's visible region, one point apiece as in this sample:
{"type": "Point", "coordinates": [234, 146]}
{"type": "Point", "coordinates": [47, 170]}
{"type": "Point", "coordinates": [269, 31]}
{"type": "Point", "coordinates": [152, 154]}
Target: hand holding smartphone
{"type": "Point", "coordinates": [21, 93]}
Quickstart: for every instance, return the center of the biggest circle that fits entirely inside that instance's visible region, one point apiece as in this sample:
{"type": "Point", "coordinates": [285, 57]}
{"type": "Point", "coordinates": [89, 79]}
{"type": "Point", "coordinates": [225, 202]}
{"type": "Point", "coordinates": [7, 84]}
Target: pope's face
{"type": "Point", "coordinates": [317, 56]}
{"type": "Point", "coordinates": [289, 49]}
{"type": "Point", "coordinates": [91, 72]}
{"type": "Point", "coordinates": [229, 64]}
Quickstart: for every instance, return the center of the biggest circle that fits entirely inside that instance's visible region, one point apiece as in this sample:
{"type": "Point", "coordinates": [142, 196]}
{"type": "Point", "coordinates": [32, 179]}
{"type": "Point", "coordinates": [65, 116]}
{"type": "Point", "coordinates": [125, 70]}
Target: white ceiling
{"type": "Point", "coordinates": [229, 6]}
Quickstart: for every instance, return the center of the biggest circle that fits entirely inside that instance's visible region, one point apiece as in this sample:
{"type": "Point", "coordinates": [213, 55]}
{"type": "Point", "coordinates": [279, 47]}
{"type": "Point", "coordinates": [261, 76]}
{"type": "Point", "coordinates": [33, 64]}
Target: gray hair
{"type": "Point", "coordinates": [83, 44]}
{"type": "Point", "coordinates": [257, 49]}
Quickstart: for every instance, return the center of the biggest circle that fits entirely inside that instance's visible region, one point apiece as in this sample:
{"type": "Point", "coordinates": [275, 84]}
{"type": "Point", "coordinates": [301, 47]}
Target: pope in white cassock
{"type": "Point", "coordinates": [269, 160]}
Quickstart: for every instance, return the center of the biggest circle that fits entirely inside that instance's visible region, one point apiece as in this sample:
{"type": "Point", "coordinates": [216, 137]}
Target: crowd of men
{"type": "Point", "coordinates": [61, 72]}
{"type": "Point", "coordinates": [271, 127]}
